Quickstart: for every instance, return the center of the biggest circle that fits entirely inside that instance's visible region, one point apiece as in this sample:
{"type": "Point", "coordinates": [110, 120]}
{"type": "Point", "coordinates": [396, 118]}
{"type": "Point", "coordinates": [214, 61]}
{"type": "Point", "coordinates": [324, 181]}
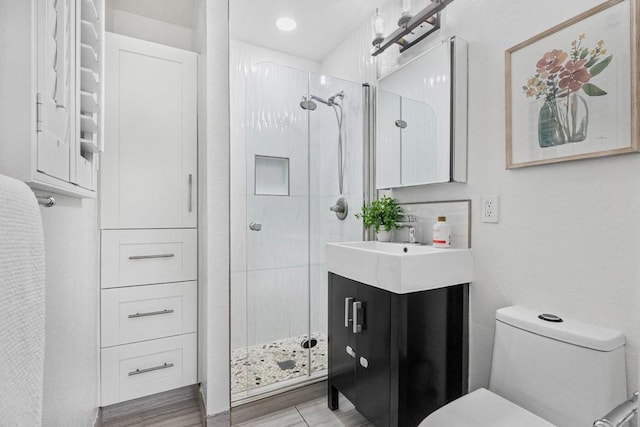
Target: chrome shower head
{"type": "Point", "coordinates": [308, 104]}
{"type": "Point", "coordinates": [332, 100]}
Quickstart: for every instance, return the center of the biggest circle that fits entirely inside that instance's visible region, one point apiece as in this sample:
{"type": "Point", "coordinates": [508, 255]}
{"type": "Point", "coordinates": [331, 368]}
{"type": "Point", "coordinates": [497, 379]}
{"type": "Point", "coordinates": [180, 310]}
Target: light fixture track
{"type": "Point", "coordinates": [430, 15]}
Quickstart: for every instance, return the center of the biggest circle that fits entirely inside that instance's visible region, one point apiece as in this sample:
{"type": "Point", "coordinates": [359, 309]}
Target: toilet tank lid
{"type": "Point", "coordinates": [570, 331]}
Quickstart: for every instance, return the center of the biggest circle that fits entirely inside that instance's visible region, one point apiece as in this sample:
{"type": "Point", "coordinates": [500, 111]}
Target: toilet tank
{"type": "Point", "coordinates": [569, 373]}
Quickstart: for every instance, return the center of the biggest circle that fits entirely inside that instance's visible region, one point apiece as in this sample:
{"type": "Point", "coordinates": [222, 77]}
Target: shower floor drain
{"type": "Point", "coordinates": [309, 343]}
{"type": "Point", "coordinates": [287, 364]}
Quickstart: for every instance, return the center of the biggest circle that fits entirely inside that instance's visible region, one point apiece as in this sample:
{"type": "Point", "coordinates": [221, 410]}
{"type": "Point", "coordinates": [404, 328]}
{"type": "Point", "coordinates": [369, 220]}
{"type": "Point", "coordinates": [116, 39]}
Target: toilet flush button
{"type": "Point", "coordinates": [550, 318]}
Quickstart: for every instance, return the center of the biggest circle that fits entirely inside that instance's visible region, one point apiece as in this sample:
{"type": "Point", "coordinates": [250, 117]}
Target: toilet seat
{"type": "Point", "coordinates": [482, 408]}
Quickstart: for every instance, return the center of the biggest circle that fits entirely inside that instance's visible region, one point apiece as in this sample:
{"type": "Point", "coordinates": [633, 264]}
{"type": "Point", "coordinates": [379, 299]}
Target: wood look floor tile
{"type": "Point", "coordinates": [317, 414]}
{"type": "Point", "coordinates": [285, 418]}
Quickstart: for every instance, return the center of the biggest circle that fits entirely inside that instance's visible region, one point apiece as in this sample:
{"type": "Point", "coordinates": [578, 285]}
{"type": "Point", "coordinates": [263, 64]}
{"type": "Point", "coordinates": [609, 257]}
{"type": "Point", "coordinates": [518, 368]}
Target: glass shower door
{"type": "Point", "coordinates": [292, 126]}
{"type": "Point", "coordinates": [277, 240]}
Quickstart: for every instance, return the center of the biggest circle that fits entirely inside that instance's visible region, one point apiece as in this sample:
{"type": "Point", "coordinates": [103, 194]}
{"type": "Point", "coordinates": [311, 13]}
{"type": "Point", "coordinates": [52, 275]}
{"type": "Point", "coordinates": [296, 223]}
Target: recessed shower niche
{"type": "Point", "coordinates": [271, 176]}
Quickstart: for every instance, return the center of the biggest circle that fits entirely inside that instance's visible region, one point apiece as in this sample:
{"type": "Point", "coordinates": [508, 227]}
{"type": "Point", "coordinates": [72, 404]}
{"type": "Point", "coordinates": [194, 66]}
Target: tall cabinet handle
{"type": "Point", "coordinates": [347, 306]}
{"type": "Point", "coordinates": [357, 327]}
{"type": "Point", "coordinates": [190, 192]}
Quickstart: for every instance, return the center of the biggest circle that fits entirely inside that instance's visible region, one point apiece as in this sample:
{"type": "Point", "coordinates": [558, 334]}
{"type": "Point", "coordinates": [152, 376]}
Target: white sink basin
{"type": "Point", "coordinates": [400, 267]}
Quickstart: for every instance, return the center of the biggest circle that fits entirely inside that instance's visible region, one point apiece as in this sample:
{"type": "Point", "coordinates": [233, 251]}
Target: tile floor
{"type": "Point", "coordinates": [175, 408]}
{"type": "Point", "coordinates": [164, 411]}
{"type": "Point", "coordinates": [314, 413]}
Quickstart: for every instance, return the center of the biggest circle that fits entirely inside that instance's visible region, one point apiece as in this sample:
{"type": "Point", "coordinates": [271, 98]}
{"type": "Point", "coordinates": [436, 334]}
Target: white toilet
{"type": "Point", "coordinates": [543, 373]}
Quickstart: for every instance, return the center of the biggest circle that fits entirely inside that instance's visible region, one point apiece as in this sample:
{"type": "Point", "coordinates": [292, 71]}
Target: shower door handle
{"type": "Point", "coordinates": [255, 226]}
{"type": "Point", "coordinates": [347, 306]}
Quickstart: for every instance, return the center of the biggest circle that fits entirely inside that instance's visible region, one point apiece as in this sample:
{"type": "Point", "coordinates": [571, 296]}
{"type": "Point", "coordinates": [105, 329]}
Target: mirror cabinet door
{"type": "Point", "coordinates": [417, 111]}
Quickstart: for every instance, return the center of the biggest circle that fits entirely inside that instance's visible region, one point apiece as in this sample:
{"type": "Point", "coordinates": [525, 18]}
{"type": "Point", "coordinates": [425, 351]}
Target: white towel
{"type": "Point", "coordinates": [22, 305]}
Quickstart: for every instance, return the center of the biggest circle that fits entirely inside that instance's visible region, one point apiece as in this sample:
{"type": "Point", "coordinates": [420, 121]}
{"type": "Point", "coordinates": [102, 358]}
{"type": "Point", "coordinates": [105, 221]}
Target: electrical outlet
{"type": "Point", "coordinates": [490, 209]}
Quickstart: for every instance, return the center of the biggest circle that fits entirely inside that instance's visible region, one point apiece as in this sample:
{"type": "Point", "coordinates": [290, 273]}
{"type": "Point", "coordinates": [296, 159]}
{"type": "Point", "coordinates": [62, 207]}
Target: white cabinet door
{"type": "Point", "coordinates": [56, 77]}
{"type": "Point", "coordinates": [149, 170]}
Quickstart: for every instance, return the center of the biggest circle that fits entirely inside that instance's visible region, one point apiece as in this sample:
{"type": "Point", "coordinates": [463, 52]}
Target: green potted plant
{"type": "Point", "coordinates": [382, 216]}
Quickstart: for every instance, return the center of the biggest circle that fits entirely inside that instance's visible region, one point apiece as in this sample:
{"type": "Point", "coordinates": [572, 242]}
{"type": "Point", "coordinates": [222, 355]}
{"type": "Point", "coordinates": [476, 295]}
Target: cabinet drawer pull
{"type": "Point", "coordinates": [190, 192]}
{"type": "Point", "coordinates": [347, 306]}
{"type": "Point", "coordinates": [364, 362]}
{"type": "Point", "coordinates": [351, 352]}
{"type": "Point", "coordinates": [152, 256]}
{"type": "Point", "coordinates": [155, 368]}
{"type": "Point", "coordinates": [150, 313]}
{"type": "Point", "coordinates": [357, 327]}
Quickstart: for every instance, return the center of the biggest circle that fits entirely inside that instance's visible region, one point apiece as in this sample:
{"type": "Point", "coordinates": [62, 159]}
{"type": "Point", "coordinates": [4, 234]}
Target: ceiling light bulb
{"type": "Point", "coordinates": [286, 24]}
{"type": "Point", "coordinates": [406, 7]}
{"type": "Point", "coordinates": [378, 24]}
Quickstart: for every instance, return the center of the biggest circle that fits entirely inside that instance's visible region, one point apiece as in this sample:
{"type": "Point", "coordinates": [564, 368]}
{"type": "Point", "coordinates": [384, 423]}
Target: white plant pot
{"type": "Point", "coordinates": [383, 236]}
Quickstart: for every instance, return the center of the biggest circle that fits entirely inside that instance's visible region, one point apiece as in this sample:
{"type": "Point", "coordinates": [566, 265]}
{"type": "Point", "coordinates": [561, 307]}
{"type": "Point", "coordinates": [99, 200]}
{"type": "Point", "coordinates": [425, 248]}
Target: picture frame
{"type": "Point", "coordinates": [572, 91]}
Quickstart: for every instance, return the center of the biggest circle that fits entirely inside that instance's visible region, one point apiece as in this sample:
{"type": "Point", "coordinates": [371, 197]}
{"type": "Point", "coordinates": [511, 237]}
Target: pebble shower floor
{"type": "Point", "coordinates": [264, 364]}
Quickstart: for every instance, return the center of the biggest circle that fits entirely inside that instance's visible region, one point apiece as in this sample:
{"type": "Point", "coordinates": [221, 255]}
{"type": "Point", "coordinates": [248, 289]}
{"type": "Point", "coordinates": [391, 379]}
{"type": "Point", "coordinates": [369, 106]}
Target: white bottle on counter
{"type": "Point", "coordinates": [441, 233]}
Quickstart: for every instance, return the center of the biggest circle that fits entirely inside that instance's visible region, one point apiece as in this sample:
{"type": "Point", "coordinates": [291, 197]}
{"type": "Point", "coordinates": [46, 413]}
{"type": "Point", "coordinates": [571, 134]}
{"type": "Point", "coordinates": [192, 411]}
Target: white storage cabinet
{"type": "Point", "coordinates": [148, 199]}
{"type": "Point", "coordinates": [51, 93]}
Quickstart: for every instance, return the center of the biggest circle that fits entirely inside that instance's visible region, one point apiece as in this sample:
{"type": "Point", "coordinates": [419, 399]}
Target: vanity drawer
{"type": "Point", "coordinates": [141, 257]}
{"type": "Point", "coordinates": [135, 370]}
{"type": "Point", "coordinates": [142, 313]}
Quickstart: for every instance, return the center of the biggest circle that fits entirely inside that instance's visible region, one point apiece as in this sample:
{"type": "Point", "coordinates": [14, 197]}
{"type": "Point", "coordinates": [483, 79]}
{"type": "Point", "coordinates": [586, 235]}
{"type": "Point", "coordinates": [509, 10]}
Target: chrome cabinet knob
{"type": "Point", "coordinates": [255, 226]}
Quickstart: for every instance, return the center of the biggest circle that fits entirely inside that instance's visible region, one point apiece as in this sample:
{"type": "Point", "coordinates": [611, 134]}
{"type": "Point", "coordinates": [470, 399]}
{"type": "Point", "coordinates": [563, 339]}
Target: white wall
{"type": "Point", "coordinates": [72, 302]}
{"type": "Point", "coordinates": [199, 44]}
{"type": "Point", "coordinates": [214, 207]}
{"type": "Point", "coordinates": [142, 27]}
{"type": "Point", "coordinates": [569, 237]}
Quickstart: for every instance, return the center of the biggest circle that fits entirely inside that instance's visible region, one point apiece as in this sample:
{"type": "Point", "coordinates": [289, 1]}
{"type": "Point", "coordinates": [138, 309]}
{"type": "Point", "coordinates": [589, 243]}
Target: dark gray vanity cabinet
{"type": "Point", "coordinates": [396, 357]}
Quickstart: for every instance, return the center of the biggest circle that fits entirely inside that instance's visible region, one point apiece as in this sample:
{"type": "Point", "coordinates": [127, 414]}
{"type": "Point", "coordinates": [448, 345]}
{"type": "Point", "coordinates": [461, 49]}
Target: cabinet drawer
{"type": "Point", "coordinates": [142, 313]}
{"type": "Point", "coordinates": [141, 257]}
{"type": "Point", "coordinates": [135, 370]}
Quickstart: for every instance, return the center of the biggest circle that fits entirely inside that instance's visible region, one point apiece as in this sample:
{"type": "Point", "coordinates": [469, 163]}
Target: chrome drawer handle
{"type": "Point", "coordinates": [155, 368]}
{"type": "Point", "coordinates": [152, 256]}
{"type": "Point", "coordinates": [357, 327]}
{"type": "Point", "coordinates": [347, 306]}
{"type": "Point", "coordinates": [150, 313]}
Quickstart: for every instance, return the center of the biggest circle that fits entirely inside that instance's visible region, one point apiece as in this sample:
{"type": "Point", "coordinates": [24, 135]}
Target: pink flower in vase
{"type": "Point", "coordinates": [574, 75]}
{"type": "Point", "coordinates": [551, 62]}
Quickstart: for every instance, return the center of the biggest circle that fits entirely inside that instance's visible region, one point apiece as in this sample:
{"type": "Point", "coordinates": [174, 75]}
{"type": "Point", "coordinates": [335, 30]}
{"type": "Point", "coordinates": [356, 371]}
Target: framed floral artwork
{"type": "Point", "coordinates": [572, 91]}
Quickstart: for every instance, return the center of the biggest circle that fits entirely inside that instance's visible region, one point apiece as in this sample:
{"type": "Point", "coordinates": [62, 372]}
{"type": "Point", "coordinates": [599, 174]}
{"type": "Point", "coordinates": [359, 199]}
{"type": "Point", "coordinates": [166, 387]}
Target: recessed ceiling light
{"type": "Point", "coordinates": [286, 24]}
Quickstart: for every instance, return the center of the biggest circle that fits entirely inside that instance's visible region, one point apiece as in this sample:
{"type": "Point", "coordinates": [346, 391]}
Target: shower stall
{"type": "Point", "coordinates": [298, 169]}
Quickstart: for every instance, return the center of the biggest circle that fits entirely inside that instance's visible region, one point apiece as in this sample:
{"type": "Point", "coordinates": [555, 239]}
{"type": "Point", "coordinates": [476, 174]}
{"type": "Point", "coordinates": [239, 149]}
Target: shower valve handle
{"type": "Point", "coordinates": [341, 208]}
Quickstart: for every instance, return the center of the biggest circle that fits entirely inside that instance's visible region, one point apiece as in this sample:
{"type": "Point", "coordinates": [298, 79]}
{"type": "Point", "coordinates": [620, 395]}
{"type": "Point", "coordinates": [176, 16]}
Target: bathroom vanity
{"type": "Point", "coordinates": [397, 355]}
